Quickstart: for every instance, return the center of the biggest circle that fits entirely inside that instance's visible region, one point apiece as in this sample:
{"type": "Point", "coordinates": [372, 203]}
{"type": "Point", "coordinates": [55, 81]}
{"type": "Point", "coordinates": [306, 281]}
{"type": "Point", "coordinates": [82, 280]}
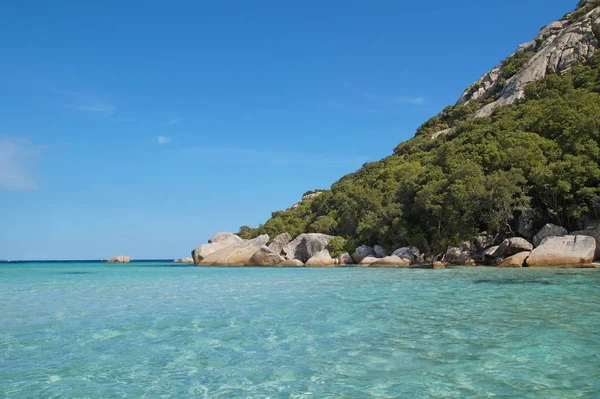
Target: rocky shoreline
{"type": "Point", "coordinates": [552, 246]}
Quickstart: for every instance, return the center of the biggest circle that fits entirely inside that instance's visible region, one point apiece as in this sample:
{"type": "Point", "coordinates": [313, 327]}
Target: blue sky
{"type": "Point", "coordinates": [143, 127]}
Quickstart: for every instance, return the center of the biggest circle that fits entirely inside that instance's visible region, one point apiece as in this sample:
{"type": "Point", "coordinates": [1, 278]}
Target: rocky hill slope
{"type": "Point", "coordinates": [519, 149]}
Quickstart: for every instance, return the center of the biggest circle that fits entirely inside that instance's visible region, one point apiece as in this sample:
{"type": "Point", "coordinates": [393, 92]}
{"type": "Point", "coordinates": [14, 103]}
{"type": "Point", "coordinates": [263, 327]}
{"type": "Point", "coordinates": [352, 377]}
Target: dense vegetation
{"type": "Point", "coordinates": [542, 152]}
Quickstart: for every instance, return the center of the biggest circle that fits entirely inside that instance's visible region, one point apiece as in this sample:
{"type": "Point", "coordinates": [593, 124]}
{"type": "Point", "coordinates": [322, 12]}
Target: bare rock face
{"type": "Point", "coordinates": [459, 256]}
{"type": "Point", "coordinates": [591, 233]}
{"type": "Point", "coordinates": [119, 259]}
{"type": "Point", "coordinates": [512, 246]}
{"type": "Point", "coordinates": [362, 252]}
{"type": "Point", "coordinates": [305, 246]}
{"type": "Point", "coordinates": [265, 257]}
{"type": "Point", "coordinates": [527, 221]}
{"type": "Point", "coordinates": [321, 259]}
{"type": "Point", "coordinates": [224, 236]}
{"type": "Point", "coordinates": [345, 259]}
{"type": "Point", "coordinates": [379, 251]}
{"type": "Point", "coordinates": [517, 260]}
{"type": "Point", "coordinates": [307, 197]}
{"type": "Point", "coordinates": [557, 48]}
{"type": "Point", "coordinates": [567, 251]}
{"type": "Point", "coordinates": [549, 230]}
{"type": "Point", "coordinates": [488, 255]}
{"type": "Point", "coordinates": [279, 242]}
{"type": "Point", "coordinates": [215, 243]}
{"type": "Point", "coordinates": [390, 261]}
{"type": "Point", "coordinates": [411, 254]}
{"type": "Point", "coordinates": [237, 254]}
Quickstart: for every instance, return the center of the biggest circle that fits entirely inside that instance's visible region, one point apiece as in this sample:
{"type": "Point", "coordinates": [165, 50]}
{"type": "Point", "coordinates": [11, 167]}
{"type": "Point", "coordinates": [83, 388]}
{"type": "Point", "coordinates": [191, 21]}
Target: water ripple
{"type": "Point", "coordinates": [153, 331]}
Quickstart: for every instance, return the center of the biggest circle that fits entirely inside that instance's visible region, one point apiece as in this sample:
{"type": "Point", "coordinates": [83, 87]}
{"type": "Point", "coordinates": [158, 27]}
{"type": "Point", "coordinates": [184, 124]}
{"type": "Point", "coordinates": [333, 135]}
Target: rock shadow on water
{"type": "Point", "coordinates": [511, 282]}
{"type": "Point", "coordinates": [76, 273]}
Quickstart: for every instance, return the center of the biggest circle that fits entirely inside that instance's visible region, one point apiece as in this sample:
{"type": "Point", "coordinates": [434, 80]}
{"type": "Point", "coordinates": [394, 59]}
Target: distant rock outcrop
{"type": "Point", "coordinates": [119, 259]}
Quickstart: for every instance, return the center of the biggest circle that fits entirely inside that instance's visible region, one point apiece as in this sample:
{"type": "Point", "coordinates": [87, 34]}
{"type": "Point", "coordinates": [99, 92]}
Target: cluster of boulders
{"type": "Point", "coordinates": [119, 259]}
{"type": "Point", "coordinates": [308, 250]}
{"type": "Point", "coordinates": [552, 246]}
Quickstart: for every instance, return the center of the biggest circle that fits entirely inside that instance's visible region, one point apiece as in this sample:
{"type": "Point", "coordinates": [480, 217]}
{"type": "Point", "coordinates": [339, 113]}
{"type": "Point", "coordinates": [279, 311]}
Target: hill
{"type": "Point", "coordinates": [520, 148]}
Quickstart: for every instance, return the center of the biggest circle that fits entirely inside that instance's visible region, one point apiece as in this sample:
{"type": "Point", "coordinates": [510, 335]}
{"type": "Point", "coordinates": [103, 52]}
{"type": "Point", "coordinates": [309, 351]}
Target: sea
{"type": "Point", "coordinates": [163, 330]}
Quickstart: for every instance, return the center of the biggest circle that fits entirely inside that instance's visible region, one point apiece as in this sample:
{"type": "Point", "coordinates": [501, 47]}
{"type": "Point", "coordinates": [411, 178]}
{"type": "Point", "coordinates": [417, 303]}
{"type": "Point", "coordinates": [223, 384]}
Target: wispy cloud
{"type": "Point", "coordinates": [16, 157]}
{"type": "Point", "coordinates": [352, 99]}
{"type": "Point", "coordinates": [163, 139]}
{"type": "Point", "coordinates": [250, 156]}
{"type": "Point", "coordinates": [173, 121]}
{"type": "Point", "coordinates": [392, 100]}
{"type": "Point", "coordinates": [103, 108]}
{"type": "Point", "coordinates": [97, 104]}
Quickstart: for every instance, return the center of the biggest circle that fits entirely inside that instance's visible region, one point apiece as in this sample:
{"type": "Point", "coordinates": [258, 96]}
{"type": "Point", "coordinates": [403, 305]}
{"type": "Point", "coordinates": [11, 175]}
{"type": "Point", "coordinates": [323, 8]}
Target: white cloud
{"type": "Point", "coordinates": [393, 100]}
{"type": "Point", "coordinates": [163, 139]}
{"type": "Point", "coordinates": [16, 156]}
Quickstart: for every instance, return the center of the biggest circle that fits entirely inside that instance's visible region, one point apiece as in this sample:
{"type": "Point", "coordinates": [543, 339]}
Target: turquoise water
{"type": "Point", "coordinates": [155, 331]}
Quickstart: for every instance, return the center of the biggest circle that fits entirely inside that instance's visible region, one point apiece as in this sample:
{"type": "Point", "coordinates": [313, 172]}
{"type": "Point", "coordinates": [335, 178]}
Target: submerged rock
{"type": "Point", "coordinates": [368, 261]}
{"type": "Point", "coordinates": [567, 251]}
{"type": "Point", "coordinates": [390, 261]}
{"type": "Point", "coordinates": [290, 263]}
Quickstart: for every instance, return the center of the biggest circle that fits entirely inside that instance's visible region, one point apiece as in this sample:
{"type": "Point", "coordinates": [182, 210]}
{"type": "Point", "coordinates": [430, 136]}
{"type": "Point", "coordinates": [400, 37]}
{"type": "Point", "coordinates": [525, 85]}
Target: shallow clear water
{"type": "Point", "coordinates": [157, 331]}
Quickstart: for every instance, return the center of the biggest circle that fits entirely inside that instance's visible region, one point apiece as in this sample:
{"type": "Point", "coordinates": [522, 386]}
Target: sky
{"type": "Point", "coordinates": [144, 127]}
